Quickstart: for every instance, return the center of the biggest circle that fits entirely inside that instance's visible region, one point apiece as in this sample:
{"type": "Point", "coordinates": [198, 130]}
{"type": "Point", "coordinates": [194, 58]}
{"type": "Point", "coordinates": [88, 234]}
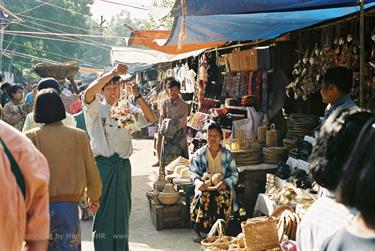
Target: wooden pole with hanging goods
{"type": "Point", "coordinates": [362, 54]}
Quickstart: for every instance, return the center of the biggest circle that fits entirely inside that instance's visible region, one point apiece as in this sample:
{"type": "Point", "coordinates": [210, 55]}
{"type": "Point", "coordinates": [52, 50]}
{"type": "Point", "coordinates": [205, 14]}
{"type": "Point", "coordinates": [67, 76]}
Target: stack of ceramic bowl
{"type": "Point", "coordinates": [273, 155]}
{"type": "Point", "coordinates": [299, 125]}
{"type": "Point", "coordinates": [248, 157]}
{"type": "Point", "coordinates": [169, 196]}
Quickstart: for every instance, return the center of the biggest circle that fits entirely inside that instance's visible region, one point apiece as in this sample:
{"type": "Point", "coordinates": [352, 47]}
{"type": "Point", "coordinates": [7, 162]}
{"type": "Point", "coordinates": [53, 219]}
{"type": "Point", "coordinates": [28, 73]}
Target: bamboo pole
{"type": "Point", "coordinates": [362, 55]}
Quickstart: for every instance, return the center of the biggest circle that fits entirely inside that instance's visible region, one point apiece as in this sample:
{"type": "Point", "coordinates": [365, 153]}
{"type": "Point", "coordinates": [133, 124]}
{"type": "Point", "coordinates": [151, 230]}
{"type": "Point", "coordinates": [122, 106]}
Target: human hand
{"type": "Point", "coordinates": [119, 69]}
{"type": "Point", "coordinates": [94, 206]}
{"type": "Point", "coordinates": [203, 187]}
{"type": "Point", "coordinates": [221, 186]}
{"type": "Point", "coordinates": [135, 89]}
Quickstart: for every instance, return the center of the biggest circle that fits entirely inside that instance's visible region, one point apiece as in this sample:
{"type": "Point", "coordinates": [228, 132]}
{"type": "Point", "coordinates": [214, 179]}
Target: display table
{"type": "Point", "coordinates": [298, 164]}
{"type": "Point", "coordinates": [264, 205]}
{"type": "Point", "coordinates": [252, 181]}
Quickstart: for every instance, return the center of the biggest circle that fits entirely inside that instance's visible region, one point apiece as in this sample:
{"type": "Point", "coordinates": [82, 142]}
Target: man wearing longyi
{"type": "Point", "coordinates": [112, 148]}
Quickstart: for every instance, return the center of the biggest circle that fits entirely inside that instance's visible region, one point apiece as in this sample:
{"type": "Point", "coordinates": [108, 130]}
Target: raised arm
{"type": "Point", "coordinates": [99, 83]}
{"type": "Point", "coordinates": [147, 111]}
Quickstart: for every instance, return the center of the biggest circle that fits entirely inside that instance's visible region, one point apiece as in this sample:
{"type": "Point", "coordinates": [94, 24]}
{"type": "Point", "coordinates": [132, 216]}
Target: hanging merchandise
{"type": "Point", "coordinates": [308, 71]}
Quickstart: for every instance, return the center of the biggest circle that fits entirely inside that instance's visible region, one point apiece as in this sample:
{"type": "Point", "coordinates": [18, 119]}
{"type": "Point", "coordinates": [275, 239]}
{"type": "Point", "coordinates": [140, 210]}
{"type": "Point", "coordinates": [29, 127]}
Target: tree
{"type": "Point", "coordinates": [58, 16]}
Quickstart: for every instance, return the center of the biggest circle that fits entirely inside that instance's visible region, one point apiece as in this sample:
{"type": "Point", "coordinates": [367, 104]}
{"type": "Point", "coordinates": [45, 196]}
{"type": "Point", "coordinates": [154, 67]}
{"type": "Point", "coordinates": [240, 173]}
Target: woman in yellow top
{"type": "Point", "coordinates": [212, 202]}
{"type": "Point", "coordinates": [72, 169]}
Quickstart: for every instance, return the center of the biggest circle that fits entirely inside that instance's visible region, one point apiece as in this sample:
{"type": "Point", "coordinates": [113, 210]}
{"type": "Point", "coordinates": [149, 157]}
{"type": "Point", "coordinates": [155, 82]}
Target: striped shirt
{"type": "Point", "coordinates": [322, 220]}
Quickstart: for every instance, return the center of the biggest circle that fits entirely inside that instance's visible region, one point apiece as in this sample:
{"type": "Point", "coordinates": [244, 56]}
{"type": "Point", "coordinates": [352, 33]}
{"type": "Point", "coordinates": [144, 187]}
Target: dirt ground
{"type": "Point", "coordinates": [143, 234]}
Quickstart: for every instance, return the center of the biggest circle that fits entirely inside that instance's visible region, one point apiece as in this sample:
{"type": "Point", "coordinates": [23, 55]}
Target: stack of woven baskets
{"type": "Point", "coordinates": [298, 125]}
{"type": "Point", "coordinates": [273, 155]}
{"type": "Point", "coordinates": [248, 157]}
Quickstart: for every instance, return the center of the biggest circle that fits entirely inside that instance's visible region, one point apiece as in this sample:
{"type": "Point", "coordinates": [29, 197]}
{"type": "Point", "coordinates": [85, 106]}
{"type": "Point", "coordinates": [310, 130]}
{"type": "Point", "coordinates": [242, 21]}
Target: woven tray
{"type": "Point", "coordinates": [58, 71]}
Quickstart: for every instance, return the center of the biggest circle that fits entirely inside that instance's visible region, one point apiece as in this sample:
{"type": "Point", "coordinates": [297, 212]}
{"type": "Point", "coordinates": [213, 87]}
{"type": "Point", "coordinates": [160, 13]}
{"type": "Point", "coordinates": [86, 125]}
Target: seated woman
{"type": "Point", "coordinates": [356, 189]}
{"type": "Point", "coordinates": [210, 205]}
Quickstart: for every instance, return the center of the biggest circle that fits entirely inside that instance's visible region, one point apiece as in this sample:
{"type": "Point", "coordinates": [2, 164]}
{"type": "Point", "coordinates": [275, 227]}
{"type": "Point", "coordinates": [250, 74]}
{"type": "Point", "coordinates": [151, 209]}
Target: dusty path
{"type": "Point", "coordinates": [143, 235]}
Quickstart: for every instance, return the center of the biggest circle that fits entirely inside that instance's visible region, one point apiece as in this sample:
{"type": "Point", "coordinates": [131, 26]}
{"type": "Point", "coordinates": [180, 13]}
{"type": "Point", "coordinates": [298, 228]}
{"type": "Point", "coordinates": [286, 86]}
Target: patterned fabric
{"type": "Point", "coordinates": [171, 149]}
{"type": "Point", "coordinates": [65, 227]}
{"type": "Point", "coordinates": [209, 206]}
{"type": "Point", "coordinates": [111, 222]}
{"type": "Point", "coordinates": [199, 165]}
{"type": "Point", "coordinates": [14, 115]}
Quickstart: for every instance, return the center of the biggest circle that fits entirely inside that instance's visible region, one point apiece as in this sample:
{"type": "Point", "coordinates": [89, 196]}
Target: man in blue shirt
{"type": "Point", "coordinates": [29, 99]}
{"type": "Point", "coordinates": [336, 88]}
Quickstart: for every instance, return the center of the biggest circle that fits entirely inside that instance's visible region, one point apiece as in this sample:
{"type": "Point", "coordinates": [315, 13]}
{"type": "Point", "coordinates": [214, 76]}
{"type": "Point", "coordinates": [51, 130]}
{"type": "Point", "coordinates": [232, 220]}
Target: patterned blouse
{"type": "Point", "coordinates": [15, 115]}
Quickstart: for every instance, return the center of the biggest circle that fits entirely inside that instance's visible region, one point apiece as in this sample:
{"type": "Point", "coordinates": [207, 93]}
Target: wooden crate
{"type": "Point", "coordinates": [167, 217]}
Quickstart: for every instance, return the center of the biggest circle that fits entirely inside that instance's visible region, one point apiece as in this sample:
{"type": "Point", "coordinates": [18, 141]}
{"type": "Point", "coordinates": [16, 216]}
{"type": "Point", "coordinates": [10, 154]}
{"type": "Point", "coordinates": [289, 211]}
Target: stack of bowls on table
{"type": "Point", "coordinates": [274, 155]}
{"type": "Point", "coordinates": [298, 125]}
{"type": "Point", "coordinates": [248, 157]}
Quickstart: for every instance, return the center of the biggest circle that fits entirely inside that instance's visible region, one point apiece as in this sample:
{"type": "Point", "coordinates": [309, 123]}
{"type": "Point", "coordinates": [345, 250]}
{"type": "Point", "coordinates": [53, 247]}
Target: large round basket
{"type": "Point", "coordinates": [58, 71]}
{"type": "Point", "coordinates": [169, 198]}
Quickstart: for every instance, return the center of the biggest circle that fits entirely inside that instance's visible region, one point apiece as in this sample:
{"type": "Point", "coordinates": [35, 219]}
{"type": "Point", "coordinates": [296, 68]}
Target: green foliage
{"type": "Point", "coordinates": [73, 14]}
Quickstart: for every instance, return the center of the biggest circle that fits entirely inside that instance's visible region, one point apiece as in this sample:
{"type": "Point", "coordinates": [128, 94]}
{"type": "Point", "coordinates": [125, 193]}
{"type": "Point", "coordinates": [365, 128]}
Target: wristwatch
{"type": "Point", "coordinates": [139, 96]}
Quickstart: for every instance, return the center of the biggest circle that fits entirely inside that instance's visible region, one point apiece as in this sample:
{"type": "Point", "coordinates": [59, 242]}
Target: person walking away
{"type": "Point", "coordinates": [112, 147]}
{"type": "Point", "coordinates": [356, 189]}
{"type": "Point", "coordinates": [14, 111]}
{"type": "Point", "coordinates": [24, 179]}
{"type": "Point", "coordinates": [69, 176]}
{"type": "Point", "coordinates": [44, 84]}
{"type": "Point", "coordinates": [177, 111]}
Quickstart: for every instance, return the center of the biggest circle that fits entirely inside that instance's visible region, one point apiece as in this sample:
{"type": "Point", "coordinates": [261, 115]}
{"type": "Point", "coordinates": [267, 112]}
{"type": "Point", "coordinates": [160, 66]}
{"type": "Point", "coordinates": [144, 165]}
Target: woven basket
{"type": "Point", "coordinates": [260, 233]}
{"type": "Point", "coordinates": [58, 71]}
{"type": "Point", "coordinates": [220, 241]}
{"type": "Point", "coordinates": [169, 198]}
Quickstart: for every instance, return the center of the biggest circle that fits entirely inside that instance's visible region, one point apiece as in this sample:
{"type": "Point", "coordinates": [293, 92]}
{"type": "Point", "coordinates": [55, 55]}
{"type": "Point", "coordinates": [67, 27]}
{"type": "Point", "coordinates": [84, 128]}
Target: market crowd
{"type": "Point", "coordinates": [43, 189]}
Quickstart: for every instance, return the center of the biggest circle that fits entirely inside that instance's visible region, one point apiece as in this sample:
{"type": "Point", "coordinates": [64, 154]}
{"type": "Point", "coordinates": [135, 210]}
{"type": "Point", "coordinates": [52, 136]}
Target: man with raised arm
{"type": "Point", "coordinates": [112, 148]}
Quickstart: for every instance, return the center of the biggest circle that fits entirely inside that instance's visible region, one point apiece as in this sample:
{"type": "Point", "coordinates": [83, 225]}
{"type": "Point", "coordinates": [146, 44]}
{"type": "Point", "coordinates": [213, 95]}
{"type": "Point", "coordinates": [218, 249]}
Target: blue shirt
{"type": "Point", "coordinates": [345, 102]}
{"type": "Point", "coordinates": [29, 99]}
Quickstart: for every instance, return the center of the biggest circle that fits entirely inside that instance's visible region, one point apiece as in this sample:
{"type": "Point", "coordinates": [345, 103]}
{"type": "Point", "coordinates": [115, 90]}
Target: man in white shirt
{"type": "Point", "coordinates": [112, 148]}
{"type": "Point", "coordinates": [331, 151]}
{"type": "Point", "coordinates": [44, 84]}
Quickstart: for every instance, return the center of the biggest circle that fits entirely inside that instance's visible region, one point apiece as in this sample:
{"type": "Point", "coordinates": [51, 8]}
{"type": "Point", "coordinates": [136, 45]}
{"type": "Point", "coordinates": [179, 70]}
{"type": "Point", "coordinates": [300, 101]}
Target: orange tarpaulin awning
{"type": "Point", "coordinates": [148, 38]}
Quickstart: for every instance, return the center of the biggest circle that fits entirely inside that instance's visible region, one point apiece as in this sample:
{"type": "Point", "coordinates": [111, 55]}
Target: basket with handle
{"type": "Point", "coordinates": [216, 237]}
{"type": "Point", "coordinates": [260, 233]}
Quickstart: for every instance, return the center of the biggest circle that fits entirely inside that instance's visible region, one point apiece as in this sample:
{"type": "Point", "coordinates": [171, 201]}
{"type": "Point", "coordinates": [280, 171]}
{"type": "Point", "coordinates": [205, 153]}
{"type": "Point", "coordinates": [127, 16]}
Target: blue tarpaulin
{"type": "Point", "coordinates": [241, 27]}
{"type": "Point", "coordinates": [220, 7]}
